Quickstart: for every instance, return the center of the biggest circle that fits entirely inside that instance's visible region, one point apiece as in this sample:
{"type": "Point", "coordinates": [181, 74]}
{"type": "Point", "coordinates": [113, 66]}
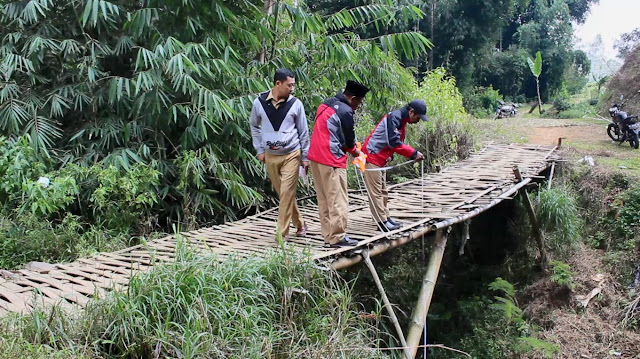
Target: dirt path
{"type": "Point", "coordinates": [571, 132]}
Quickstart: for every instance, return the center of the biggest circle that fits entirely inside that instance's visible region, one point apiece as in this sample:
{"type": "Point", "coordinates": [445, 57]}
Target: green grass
{"type": "Point", "coordinates": [524, 110]}
{"type": "Point", "coordinates": [199, 307]}
{"type": "Point", "coordinates": [558, 213]}
{"type": "Point", "coordinates": [594, 143]}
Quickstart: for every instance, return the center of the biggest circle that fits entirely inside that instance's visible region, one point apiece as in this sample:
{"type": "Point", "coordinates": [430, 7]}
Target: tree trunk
{"type": "Point", "coordinates": [433, 19]}
{"type": "Point", "coordinates": [268, 7]}
{"type": "Point", "coordinates": [539, 97]}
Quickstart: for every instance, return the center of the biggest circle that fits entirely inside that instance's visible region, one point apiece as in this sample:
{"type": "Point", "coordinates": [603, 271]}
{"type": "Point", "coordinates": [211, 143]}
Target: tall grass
{"type": "Point", "coordinates": [559, 215]}
{"type": "Point", "coordinates": [200, 307]}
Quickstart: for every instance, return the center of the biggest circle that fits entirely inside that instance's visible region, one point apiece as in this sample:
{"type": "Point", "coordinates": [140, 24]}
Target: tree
{"type": "Point", "coordinates": [549, 31]}
{"type": "Point", "coordinates": [504, 71]}
{"type": "Point", "coordinates": [627, 42]}
{"type": "Point", "coordinates": [536, 70]}
{"type": "Point", "coordinates": [602, 67]}
{"type": "Point", "coordinates": [170, 84]}
{"type": "Point", "coordinates": [582, 62]}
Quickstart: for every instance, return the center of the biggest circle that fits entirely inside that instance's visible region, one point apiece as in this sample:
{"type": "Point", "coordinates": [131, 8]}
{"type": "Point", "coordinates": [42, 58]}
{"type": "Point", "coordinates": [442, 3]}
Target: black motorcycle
{"type": "Point", "coordinates": [505, 110]}
{"type": "Point", "coordinates": [623, 126]}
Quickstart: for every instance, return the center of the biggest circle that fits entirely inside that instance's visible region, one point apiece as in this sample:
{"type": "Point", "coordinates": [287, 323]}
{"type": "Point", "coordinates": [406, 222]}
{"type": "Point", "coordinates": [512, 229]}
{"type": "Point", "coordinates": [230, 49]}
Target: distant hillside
{"type": "Point", "coordinates": [626, 82]}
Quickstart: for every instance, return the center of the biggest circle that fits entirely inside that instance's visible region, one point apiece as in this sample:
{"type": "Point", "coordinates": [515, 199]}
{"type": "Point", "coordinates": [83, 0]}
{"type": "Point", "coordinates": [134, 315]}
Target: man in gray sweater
{"type": "Point", "coordinates": [281, 138]}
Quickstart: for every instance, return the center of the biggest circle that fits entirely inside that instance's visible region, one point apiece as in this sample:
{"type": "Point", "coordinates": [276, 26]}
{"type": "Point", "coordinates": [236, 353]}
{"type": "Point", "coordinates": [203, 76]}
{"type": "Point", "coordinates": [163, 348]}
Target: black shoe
{"type": "Point", "coordinates": [345, 242]}
{"type": "Point", "coordinates": [394, 222]}
{"type": "Point", "coordinates": [387, 226]}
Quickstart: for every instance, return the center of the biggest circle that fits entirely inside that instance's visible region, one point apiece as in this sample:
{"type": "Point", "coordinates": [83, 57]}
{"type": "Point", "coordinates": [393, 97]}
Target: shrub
{"type": "Point", "coordinates": [27, 238]}
{"type": "Point", "coordinates": [448, 136]}
{"type": "Point", "coordinates": [562, 275]}
{"type": "Point", "coordinates": [483, 101]}
{"type": "Point", "coordinates": [561, 104]}
{"type": "Point", "coordinates": [18, 164]}
{"type": "Point", "coordinates": [498, 327]}
{"type": "Point", "coordinates": [569, 114]}
{"type": "Point", "coordinates": [624, 219]}
{"type": "Point", "coordinates": [558, 212]}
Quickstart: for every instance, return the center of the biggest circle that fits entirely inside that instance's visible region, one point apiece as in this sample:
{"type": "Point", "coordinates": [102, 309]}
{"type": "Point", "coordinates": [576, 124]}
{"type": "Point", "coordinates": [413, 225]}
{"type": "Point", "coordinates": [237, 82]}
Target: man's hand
{"type": "Point", "coordinates": [419, 157]}
{"type": "Point", "coordinates": [305, 165]}
{"type": "Point", "coordinates": [356, 153]}
{"type": "Point", "coordinates": [261, 157]}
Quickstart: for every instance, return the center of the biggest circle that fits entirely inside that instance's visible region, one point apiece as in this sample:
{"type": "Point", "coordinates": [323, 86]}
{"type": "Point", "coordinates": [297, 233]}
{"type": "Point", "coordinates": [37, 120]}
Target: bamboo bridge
{"type": "Point", "coordinates": [432, 203]}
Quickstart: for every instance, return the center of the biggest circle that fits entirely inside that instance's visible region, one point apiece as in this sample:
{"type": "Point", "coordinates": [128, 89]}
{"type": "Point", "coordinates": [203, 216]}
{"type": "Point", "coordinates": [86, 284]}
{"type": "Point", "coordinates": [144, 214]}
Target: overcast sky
{"type": "Point", "coordinates": [609, 18]}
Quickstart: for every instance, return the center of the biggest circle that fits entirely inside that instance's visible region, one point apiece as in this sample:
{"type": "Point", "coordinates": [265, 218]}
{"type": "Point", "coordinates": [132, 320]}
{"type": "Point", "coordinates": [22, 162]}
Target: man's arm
{"type": "Point", "coordinates": [394, 122]}
{"type": "Point", "coordinates": [346, 121]}
{"type": "Point", "coordinates": [256, 128]}
{"type": "Point", "coordinates": [303, 131]}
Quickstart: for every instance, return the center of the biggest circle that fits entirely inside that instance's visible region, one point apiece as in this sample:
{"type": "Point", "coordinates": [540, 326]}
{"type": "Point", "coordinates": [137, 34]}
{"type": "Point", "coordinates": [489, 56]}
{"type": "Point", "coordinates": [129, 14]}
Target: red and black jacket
{"type": "Point", "coordinates": [333, 133]}
{"type": "Point", "coordinates": [386, 139]}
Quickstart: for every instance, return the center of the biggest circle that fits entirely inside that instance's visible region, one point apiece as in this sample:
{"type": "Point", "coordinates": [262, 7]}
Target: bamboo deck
{"type": "Point", "coordinates": [450, 196]}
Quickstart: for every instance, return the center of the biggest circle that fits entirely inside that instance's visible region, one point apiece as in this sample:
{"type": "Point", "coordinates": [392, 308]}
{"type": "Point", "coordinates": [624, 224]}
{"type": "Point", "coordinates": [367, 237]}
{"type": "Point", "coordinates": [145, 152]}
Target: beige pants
{"type": "Point", "coordinates": [283, 173]}
{"type": "Point", "coordinates": [333, 201]}
{"type": "Point", "coordinates": [376, 182]}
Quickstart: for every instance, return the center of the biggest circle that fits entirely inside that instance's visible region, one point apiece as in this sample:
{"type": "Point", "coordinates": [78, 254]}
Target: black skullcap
{"type": "Point", "coordinates": [356, 89]}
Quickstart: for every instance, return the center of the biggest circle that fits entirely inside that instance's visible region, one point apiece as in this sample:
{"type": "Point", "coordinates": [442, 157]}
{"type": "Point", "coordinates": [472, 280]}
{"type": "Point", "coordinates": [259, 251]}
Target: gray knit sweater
{"type": "Point", "coordinates": [279, 131]}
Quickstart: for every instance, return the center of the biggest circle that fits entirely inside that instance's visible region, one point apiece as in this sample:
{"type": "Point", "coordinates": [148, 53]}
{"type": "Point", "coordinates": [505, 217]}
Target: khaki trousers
{"type": "Point", "coordinates": [283, 171]}
{"type": "Point", "coordinates": [376, 182]}
{"type": "Point", "coordinates": [333, 201]}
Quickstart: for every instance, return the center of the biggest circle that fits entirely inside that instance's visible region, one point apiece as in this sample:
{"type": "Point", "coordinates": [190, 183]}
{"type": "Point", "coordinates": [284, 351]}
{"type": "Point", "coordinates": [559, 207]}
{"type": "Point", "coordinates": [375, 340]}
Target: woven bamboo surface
{"type": "Point", "coordinates": [472, 184]}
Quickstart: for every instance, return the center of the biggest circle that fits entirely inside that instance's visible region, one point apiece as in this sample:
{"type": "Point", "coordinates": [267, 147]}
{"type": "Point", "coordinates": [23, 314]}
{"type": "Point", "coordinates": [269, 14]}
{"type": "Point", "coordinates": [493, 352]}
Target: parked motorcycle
{"type": "Point", "coordinates": [505, 110]}
{"type": "Point", "coordinates": [623, 127]}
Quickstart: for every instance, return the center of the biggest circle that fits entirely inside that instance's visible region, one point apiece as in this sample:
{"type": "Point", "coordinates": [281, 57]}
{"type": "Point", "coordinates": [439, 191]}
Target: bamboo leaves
{"type": "Point", "coordinates": [409, 44]}
{"type": "Point", "coordinates": [95, 9]}
{"type": "Point", "coordinates": [120, 82]}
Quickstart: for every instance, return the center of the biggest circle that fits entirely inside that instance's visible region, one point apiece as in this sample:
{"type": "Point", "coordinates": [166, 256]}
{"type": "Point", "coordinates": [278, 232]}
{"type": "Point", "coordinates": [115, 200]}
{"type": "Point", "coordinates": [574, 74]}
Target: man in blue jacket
{"type": "Point", "coordinates": [280, 136]}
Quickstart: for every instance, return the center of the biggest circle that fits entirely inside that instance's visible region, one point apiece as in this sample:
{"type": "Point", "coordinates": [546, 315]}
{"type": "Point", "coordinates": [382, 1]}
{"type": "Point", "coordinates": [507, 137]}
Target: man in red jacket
{"type": "Point", "coordinates": [385, 140]}
{"type": "Point", "coordinates": [332, 138]}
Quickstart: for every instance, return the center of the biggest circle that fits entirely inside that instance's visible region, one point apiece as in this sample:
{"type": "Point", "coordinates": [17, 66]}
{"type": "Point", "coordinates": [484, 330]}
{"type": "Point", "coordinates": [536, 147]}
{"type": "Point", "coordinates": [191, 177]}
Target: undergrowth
{"type": "Point", "coordinates": [559, 216]}
{"type": "Point", "coordinates": [612, 205]}
{"type": "Point", "coordinates": [200, 307]}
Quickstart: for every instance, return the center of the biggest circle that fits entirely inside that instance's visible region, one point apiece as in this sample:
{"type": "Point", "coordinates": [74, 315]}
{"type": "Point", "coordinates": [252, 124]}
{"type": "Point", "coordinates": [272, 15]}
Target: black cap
{"type": "Point", "coordinates": [419, 108]}
{"type": "Point", "coordinates": [356, 89]}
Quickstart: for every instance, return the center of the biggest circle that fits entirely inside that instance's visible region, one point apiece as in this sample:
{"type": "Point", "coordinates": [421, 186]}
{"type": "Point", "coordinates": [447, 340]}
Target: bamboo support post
{"type": "Point", "coordinates": [426, 292]}
{"type": "Point", "coordinates": [387, 303]}
{"type": "Point", "coordinates": [553, 167]}
{"type": "Point", "coordinates": [537, 232]}
{"type": "Point", "coordinates": [465, 236]}
{"type": "Point", "coordinates": [559, 142]}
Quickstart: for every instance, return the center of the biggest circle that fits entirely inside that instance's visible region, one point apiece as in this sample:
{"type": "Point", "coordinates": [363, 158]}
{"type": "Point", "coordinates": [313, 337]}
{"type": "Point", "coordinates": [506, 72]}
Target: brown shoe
{"type": "Point", "coordinates": [302, 231]}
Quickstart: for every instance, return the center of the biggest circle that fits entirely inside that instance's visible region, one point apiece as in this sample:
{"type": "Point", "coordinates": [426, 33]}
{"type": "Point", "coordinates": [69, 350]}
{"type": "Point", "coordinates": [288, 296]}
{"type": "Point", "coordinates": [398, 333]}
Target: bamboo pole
{"type": "Point", "coordinates": [426, 292]}
{"type": "Point", "coordinates": [553, 167]}
{"type": "Point", "coordinates": [268, 8]}
{"type": "Point", "coordinates": [537, 232]}
{"type": "Point", "coordinates": [387, 303]}
{"type": "Point", "coordinates": [465, 236]}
